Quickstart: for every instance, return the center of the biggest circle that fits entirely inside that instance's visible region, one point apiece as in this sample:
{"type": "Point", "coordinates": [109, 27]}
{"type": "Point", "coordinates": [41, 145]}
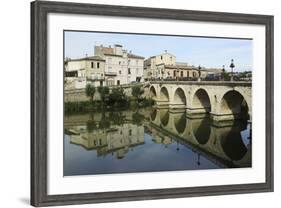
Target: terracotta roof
{"type": "Point", "coordinates": [179, 67]}
{"type": "Point", "coordinates": [94, 58]}
{"type": "Point", "coordinates": [130, 55]}
{"type": "Point", "coordinates": [111, 54]}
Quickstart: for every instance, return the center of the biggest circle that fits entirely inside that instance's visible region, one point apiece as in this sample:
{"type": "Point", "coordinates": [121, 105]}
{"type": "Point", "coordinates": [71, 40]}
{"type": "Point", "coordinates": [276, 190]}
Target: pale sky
{"type": "Point", "coordinates": [207, 52]}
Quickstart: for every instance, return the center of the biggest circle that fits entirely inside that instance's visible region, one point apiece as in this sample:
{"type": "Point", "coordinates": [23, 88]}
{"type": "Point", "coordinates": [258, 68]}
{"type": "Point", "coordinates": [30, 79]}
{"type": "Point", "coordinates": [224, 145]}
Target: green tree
{"type": "Point", "coordinates": [90, 91]}
{"type": "Point", "coordinates": [117, 96]}
{"type": "Point", "coordinates": [104, 91]}
{"type": "Point", "coordinates": [137, 92]}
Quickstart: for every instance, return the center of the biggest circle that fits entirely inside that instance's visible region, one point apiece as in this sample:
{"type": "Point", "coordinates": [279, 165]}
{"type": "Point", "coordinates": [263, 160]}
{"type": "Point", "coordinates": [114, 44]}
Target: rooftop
{"type": "Point", "coordinates": [130, 55]}
{"type": "Point", "coordinates": [94, 58]}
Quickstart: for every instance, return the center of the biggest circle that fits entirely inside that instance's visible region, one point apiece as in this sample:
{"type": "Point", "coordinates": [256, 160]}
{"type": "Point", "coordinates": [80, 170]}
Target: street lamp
{"type": "Point", "coordinates": [199, 73]}
{"type": "Point", "coordinates": [222, 73]}
{"type": "Point", "coordinates": [232, 66]}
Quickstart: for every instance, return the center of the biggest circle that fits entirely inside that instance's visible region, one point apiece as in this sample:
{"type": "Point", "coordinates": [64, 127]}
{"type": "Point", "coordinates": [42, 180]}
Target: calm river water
{"type": "Point", "coordinates": [152, 140]}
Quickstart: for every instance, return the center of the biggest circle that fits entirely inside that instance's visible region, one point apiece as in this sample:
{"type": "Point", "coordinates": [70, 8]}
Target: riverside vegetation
{"type": "Point", "coordinates": [114, 98]}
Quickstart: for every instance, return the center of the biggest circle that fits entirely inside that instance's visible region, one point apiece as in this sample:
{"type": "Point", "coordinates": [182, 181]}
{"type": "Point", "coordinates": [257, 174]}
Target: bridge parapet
{"type": "Point", "coordinates": [217, 83]}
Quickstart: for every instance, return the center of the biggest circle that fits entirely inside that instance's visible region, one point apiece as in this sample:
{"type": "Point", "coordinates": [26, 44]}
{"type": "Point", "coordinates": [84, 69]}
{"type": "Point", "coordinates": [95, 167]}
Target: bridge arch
{"type": "Point", "coordinates": [153, 114]}
{"type": "Point", "coordinates": [233, 102]}
{"type": "Point", "coordinates": [164, 117]}
{"type": "Point", "coordinates": [180, 123]}
{"type": "Point", "coordinates": [179, 96]}
{"type": "Point", "coordinates": [201, 100]}
{"type": "Point", "coordinates": [152, 92]}
{"type": "Point", "coordinates": [164, 94]}
{"type": "Point", "coordinates": [201, 130]}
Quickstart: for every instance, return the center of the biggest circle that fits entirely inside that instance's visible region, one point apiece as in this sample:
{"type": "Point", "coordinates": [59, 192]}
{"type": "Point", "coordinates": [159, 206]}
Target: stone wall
{"type": "Point", "coordinates": [76, 95]}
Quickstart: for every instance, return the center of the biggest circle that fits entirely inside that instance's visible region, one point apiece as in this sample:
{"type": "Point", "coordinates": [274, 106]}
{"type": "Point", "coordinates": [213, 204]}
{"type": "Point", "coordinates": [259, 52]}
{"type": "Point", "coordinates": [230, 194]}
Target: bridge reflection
{"type": "Point", "coordinates": [227, 144]}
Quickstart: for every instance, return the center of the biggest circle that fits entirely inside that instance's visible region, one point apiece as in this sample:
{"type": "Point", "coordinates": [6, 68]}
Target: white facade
{"type": "Point", "coordinates": [121, 67]}
{"type": "Point", "coordinates": [79, 72]}
{"type": "Point", "coordinates": [151, 69]}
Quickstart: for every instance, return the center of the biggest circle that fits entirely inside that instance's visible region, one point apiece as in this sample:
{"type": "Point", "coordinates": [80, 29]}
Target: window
{"type": "Point", "coordinates": [119, 62]}
{"type": "Point", "coordinates": [187, 73]}
{"type": "Point", "coordinates": [181, 73]}
{"type": "Point", "coordinates": [130, 132]}
{"type": "Point", "coordinates": [98, 65]}
{"type": "Point", "coordinates": [101, 83]}
{"type": "Point", "coordinates": [120, 72]}
{"type": "Point", "coordinates": [175, 73]}
{"type": "Point", "coordinates": [92, 64]}
{"type": "Point", "coordinates": [129, 71]}
{"type": "Point", "coordinates": [161, 57]}
{"type": "Point", "coordinates": [118, 82]}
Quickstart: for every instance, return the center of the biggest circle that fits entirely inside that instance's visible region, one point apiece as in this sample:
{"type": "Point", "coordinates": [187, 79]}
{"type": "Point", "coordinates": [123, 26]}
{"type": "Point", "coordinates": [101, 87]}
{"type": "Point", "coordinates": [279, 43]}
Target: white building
{"type": "Point", "coordinates": [121, 67]}
{"type": "Point", "coordinates": [79, 72]}
{"type": "Point", "coordinates": [164, 66]}
{"type": "Point", "coordinates": [150, 65]}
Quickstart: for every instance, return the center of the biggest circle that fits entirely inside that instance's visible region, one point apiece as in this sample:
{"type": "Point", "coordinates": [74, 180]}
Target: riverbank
{"type": "Point", "coordinates": [88, 106]}
{"type": "Point", "coordinates": [108, 98]}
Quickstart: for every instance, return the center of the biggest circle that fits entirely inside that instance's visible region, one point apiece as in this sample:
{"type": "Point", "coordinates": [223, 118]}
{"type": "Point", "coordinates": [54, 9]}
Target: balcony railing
{"type": "Point", "coordinates": [110, 73]}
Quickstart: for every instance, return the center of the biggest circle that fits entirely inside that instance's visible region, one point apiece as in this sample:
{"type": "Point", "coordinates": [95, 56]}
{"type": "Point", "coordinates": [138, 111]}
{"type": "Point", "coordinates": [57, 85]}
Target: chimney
{"type": "Point", "coordinates": [118, 49]}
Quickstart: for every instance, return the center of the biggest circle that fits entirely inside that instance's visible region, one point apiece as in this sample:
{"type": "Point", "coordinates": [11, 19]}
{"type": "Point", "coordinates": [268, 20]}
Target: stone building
{"type": "Point", "coordinates": [121, 67]}
{"type": "Point", "coordinates": [80, 71]}
{"type": "Point", "coordinates": [165, 67]}
{"type": "Point", "coordinates": [117, 140]}
{"type": "Point", "coordinates": [179, 71]}
{"type": "Point", "coordinates": [150, 65]}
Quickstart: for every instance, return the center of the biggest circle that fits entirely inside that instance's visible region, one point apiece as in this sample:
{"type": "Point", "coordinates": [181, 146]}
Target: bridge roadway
{"type": "Point", "coordinates": [224, 100]}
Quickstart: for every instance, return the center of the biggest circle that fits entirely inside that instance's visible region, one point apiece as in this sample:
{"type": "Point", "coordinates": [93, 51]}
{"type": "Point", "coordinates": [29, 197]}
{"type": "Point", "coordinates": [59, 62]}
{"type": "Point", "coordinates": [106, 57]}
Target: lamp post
{"type": "Point", "coordinates": [199, 73]}
{"type": "Point", "coordinates": [232, 66]}
{"type": "Point", "coordinates": [222, 73]}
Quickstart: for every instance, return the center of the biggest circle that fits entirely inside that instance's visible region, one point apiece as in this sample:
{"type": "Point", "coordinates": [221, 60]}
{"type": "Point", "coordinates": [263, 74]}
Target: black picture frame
{"type": "Point", "coordinates": [39, 98]}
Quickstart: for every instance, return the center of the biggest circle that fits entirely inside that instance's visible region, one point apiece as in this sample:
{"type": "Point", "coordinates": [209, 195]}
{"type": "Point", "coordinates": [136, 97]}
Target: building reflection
{"type": "Point", "coordinates": [118, 133]}
{"type": "Point", "coordinates": [107, 133]}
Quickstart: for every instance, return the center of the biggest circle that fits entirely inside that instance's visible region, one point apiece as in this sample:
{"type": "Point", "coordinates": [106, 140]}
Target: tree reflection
{"type": "Point", "coordinates": [137, 118]}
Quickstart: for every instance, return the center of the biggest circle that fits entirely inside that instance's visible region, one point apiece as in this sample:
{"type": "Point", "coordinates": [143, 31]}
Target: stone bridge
{"type": "Point", "coordinates": [223, 100]}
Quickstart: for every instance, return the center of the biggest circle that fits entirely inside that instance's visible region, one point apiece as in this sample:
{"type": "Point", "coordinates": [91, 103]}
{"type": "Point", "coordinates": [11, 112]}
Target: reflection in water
{"type": "Point", "coordinates": [152, 140]}
{"type": "Point", "coordinates": [233, 145]}
{"type": "Point", "coordinates": [164, 116]}
{"type": "Point", "coordinates": [202, 130]}
{"type": "Point", "coordinates": [180, 123]}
